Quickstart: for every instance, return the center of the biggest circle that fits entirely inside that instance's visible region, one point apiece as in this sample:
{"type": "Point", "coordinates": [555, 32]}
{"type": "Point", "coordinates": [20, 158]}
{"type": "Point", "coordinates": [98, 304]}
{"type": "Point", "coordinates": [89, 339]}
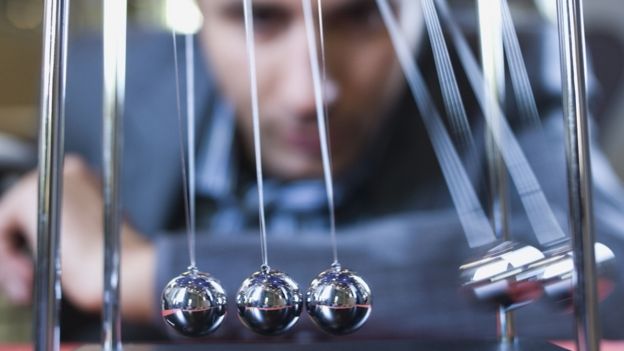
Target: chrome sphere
{"type": "Point", "coordinates": [194, 303]}
{"type": "Point", "coordinates": [504, 276]}
{"type": "Point", "coordinates": [269, 302]}
{"type": "Point", "coordinates": [339, 301]}
{"type": "Point", "coordinates": [558, 278]}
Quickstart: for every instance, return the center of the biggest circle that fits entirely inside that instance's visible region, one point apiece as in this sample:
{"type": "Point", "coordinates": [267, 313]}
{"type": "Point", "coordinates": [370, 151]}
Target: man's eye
{"type": "Point", "coordinates": [268, 19]}
{"type": "Point", "coordinates": [362, 14]}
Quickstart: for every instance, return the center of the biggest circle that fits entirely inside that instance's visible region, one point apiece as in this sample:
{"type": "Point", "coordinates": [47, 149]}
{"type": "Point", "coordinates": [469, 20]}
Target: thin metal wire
{"type": "Point", "coordinates": [540, 215]}
{"type": "Point", "coordinates": [471, 215]}
{"type": "Point", "coordinates": [517, 69]}
{"type": "Point", "coordinates": [251, 56]}
{"type": "Point", "coordinates": [190, 128]}
{"type": "Point", "coordinates": [321, 114]}
{"type": "Point", "coordinates": [448, 83]}
{"type": "Point", "coordinates": [185, 179]}
{"type": "Point", "coordinates": [324, 71]}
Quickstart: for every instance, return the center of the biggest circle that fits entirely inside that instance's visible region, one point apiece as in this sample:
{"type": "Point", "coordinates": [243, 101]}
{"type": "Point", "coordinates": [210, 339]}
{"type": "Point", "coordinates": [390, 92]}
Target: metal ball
{"type": "Point", "coordinates": [194, 303]}
{"type": "Point", "coordinates": [339, 301]}
{"type": "Point", "coordinates": [504, 276]}
{"type": "Point", "coordinates": [557, 274]}
{"type": "Point", "coordinates": [269, 302]}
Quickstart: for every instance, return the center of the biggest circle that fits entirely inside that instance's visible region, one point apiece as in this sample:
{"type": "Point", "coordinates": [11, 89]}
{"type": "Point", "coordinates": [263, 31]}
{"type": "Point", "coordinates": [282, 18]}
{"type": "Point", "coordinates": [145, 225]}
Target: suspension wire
{"type": "Point", "coordinates": [518, 71]}
{"type": "Point", "coordinates": [251, 56]}
{"type": "Point", "coordinates": [541, 217]}
{"type": "Point", "coordinates": [185, 180]}
{"type": "Point", "coordinates": [470, 212]}
{"type": "Point", "coordinates": [190, 122]}
{"type": "Point", "coordinates": [321, 120]}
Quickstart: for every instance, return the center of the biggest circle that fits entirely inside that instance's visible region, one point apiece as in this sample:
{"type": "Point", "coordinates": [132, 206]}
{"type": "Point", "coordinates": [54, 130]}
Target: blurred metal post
{"type": "Point", "coordinates": [115, 12]}
{"type": "Point", "coordinates": [573, 72]}
{"type": "Point", "coordinates": [50, 177]}
{"type": "Point", "coordinates": [493, 63]}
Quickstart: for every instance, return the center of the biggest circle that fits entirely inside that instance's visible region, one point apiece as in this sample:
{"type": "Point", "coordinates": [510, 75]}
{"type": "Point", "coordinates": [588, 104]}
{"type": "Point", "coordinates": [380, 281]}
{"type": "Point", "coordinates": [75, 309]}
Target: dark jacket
{"type": "Point", "coordinates": [398, 228]}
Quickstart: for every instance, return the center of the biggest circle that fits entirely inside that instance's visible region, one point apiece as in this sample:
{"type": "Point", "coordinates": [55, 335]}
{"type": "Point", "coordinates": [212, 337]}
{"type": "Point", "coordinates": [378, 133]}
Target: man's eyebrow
{"type": "Point", "coordinates": [231, 8]}
{"type": "Point", "coordinates": [235, 8]}
{"type": "Point", "coordinates": [350, 7]}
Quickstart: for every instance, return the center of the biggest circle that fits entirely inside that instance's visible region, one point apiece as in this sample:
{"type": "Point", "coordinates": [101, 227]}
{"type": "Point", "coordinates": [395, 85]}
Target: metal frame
{"type": "Point", "coordinates": [493, 63]}
{"type": "Point", "coordinates": [115, 18]}
{"type": "Point", "coordinates": [50, 177]}
{"type": "Point", "coordinates": [573, 73]}
{"type": "Point", "coordinates": [51, 150]}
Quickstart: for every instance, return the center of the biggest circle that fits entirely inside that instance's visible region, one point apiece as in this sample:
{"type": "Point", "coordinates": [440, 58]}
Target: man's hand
{"type": "Point", "coordinates": [81, 245]}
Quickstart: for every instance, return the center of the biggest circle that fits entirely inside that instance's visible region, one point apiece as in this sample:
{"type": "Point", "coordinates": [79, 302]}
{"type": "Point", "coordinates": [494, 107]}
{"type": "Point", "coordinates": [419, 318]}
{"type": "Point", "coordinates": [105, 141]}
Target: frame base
{"type": "Point", "coordinates": [348, 345]}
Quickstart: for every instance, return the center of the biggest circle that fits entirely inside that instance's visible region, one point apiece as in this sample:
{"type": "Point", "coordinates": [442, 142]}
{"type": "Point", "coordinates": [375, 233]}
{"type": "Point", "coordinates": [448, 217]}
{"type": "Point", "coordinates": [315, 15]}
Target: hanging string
{"type": "Point", "coordinates": [321, 120]}
{"type": "Point", "coordinates": [453, 103]}
{"type": "Point", "coordinates": [324, 70]}
{"type": "Point", "coordinates": [471, 215]}
{"type": "Point", "coordinates": [251, 56]}
{"type": "Point", "coordinates": [190, 122]}
{"type": "Point", "coordinates": [541, 217]}
{"type": "Point", "coordinates": [448, 83]}
{"type": "Point", "coordinates": [517, 68]}
{"type": "Point", "coordinates": [185, 185]}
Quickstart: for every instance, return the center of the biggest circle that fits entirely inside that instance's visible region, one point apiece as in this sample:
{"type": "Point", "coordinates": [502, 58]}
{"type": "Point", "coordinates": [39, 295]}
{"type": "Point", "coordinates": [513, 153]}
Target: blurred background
{"type": "Point", "coordinates": [20, 56]}
{"type": "Point", "coordinates": [20, 60]}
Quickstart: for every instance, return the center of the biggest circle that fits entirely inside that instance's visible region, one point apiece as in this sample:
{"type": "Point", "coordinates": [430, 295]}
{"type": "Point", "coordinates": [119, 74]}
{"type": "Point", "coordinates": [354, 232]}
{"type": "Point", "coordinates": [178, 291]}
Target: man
{"type": "Point", "coordinates": [396, 223]}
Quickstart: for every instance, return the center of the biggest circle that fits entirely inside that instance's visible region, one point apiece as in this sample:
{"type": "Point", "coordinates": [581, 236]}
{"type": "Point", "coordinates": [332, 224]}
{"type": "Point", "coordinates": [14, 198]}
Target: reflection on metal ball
{"type": "Point", "coordinates": [194, 303]}
{"type": "Point", "coordinates": [504, 276]}
{"type": "Point", "coordinates": [558, 274]}
{"type": "Point", "coordinates": [269, 302]}
{"type": "Point", "coordinates": [338, 301]}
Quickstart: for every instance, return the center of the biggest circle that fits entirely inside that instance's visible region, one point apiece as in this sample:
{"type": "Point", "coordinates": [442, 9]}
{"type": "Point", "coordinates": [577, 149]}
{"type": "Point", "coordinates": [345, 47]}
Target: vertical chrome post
{"type": "Point", "coordinates": [113, 104]}
{"type": "Point", "coordinates": [50, 186]}
{"type": "Point", "coordinates": [573, 71]}
{"type": "Point", "coordinates": [493, 63]}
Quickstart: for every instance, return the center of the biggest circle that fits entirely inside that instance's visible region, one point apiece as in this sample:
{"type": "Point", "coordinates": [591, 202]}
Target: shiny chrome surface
{"type": "Point", "coordinates": [573, 65]}
{"type": "Point", "coordinates": [194, 303]}
{"type": "Point", "coordinates": [514, 282]}
{"type": "Point", "coordinates": [339, 301]}
{"type": "Point", "coordinates": [51, 151]}
{"type": "Point", "coordinates": [496, 278]}
{"type": "Point", "coordinates": [269, 302]}
{"type": "Point", "coordinates": [113, 104]}
{"type": "Point", "coordinates": [559, 280]}
{"type": "Point", "coordinates": [493, 64]}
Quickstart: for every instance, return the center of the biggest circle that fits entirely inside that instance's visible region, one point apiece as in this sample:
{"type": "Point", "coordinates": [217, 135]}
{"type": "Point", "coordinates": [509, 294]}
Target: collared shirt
{"type": "Point", "coordinates": [228, 201]}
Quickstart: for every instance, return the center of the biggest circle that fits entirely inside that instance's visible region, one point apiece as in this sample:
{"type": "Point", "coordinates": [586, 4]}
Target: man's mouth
{"type": "Point", "coordinates": [304, 141]}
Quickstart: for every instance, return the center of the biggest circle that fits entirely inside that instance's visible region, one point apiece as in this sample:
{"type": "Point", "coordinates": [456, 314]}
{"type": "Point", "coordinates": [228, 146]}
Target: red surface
{"type": "Point", "coordinates": [604, 346]}
{"type": "Point", "coordinates": [28, 347]}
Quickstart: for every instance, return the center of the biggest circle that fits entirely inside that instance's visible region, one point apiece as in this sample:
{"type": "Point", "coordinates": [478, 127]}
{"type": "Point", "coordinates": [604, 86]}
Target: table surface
{"type": "Point", "coordinates": [344, 346]}
{"type": "Point", "coordinates": [349, 345]}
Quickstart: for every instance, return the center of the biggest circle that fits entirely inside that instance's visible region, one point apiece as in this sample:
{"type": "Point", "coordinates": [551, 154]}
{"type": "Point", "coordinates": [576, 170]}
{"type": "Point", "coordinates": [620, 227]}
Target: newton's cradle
{"type": "Point", "coordinates": [504, 275]}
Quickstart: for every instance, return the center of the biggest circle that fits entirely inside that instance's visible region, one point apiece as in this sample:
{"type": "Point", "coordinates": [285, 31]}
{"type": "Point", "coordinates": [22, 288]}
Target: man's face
{"type": "Point", "coordinates": [362, 79]}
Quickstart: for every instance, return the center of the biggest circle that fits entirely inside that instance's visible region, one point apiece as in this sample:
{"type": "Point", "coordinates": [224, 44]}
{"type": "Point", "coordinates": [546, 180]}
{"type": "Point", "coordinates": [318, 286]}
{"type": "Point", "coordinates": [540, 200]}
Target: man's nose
{"type": "Point", "coordinates": [298, 81]}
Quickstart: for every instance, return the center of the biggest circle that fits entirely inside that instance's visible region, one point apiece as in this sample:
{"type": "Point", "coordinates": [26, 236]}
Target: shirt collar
{"type": "Point", "coordinates": [215, 172]}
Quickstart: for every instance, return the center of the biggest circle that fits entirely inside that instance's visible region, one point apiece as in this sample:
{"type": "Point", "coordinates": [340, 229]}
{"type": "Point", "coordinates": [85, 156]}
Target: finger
{"type": "Point", "coordinates": [7, 219]}
{"type": "Point", "coordinates": [16, 266]}
{"type": "Point", "coordinates": [18, 211]}
{"type": "Point", "coordinates": [76, 166]}
{"type": "Point", "coordinates": [9, 223]}
{"type": "Point", "coordinates": [16, 276]}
